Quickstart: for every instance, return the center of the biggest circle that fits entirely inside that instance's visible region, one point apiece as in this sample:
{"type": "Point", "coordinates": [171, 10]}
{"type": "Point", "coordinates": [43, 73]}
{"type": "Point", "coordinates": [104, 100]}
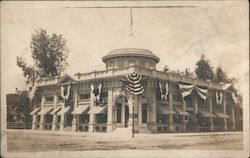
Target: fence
{"type": "Point", "coordinates": [18, 125]}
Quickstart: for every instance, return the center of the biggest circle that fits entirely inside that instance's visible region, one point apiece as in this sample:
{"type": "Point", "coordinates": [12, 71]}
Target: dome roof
{"type": "Point", "coordinates": [131, 52]}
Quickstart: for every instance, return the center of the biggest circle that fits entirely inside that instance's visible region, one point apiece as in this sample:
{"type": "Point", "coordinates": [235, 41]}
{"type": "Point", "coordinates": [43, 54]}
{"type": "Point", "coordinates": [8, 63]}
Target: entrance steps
{"type": "Point", "coordinates": [128, 130]}
{"type": "Point", "coordinates": [123, 130]}
{"type": "Point", "coordinates": [67, 129]}
{"type": "Point", "coordinates": [143, 130]}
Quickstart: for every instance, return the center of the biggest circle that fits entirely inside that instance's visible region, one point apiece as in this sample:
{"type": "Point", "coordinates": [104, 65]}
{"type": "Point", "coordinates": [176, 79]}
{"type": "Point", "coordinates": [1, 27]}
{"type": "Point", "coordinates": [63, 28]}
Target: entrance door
{"type": "Point", "coordinates": [126, 115]}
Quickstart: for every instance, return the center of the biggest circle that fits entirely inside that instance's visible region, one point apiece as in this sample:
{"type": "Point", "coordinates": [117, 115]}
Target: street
{"type": "Point", "coordinates": [37, 141]}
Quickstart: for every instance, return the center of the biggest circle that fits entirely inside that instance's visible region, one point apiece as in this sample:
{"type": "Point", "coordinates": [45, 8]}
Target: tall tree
{"type": "Point", "coordinates": [18, 107]}
{"type": "Point", "coordinates": [221, 75]}
{"type": "Point", "coordinates": [49, 54]}
{"type": "Point", "coordinates": [203, 70]}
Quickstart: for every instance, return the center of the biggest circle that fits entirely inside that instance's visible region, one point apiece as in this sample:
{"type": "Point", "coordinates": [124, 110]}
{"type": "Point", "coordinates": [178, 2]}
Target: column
{"type": "Point", "coordinates": [62, 122]}
{"type": "Point", "coordinates": [41, 127]}
{"type": "Point", "coordinates": [140, 115]}
{"type": "Point", "coordinates": [225, 110]}
{"type": "Point", "coordinates": [74, 121]}
{"type": "Point", "coordinates": [233, 118]}
{"type": "Point", "coordinates": [123, 111]}
{"type": "Point", "coordinates": [170, 102]}
{"type": "Point", "coordinates": [210, 103]}
{"type": "Point", "coordinates": [196, 123]}
{"type": "Point", "coordinates": [54, 116]}
{"type": "Point", "coordinates": [91, 115]}
{"type": "Point", "coordinates": [130, 104]}
{"type": "Point", "coordinates": [110, 110]}
{"type": "Point", "coordinates": [33, 122]}
{"type": "Point", "coordinates": [152, 119]}
{"type": "Point", "coordinates": [183, 117]}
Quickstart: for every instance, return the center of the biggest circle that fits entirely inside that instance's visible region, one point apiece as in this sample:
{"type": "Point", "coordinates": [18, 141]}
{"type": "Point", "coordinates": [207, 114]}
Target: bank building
{"type": "Point", "coordinates": [131, 92]}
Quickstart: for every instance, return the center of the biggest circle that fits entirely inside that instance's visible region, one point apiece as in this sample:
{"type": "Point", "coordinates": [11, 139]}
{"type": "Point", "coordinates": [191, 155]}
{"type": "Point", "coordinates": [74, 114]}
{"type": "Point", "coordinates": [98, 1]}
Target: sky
{"type": "Point", "coordinates": [178, 36]}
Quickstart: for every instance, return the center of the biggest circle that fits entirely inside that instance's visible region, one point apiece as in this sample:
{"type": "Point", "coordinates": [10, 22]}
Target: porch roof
{"type": "Point", "coordinates": [35, 111]}
{"type": "Point", "coordinates": [164, 110]}
{"type": "Point", "coordinates": [81, 109]}
{"type": "Point", "coordinates": [180, 110]}
{"type": "Point", "coordinates": [221, 115]}
{"type": "Point", "coordinates": [53, 112]}
{"type": "Point", "coordinates": [64, 110]}
{"type": "Point", "coordinates": [45, 110]}
{"type": "Point", "coordinates": [207, 113]}
{"type": "Point", "coordinates": [98, 110]}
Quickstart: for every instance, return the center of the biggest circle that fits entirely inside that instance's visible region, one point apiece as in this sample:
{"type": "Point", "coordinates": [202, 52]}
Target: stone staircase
{"type": "Point", "coordinates": [123, 130]}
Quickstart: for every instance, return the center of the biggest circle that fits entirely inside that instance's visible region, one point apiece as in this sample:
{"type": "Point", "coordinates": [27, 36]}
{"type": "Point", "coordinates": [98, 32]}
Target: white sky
{"type": "Point", "coordinates": [178, 36]}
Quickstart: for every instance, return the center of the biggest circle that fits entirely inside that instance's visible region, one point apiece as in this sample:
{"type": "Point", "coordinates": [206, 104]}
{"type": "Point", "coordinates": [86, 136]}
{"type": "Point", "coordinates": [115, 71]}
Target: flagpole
{"type": "Point", "coordinates": [133, 124]}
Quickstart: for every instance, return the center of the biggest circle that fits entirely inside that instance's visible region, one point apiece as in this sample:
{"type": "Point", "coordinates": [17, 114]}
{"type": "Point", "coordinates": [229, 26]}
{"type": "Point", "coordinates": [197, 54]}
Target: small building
{"type": "Point", "coordinates": [131, 91]}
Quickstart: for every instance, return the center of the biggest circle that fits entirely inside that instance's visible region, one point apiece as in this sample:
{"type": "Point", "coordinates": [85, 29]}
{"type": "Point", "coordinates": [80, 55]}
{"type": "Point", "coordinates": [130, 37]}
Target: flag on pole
{"type": "Point", "coordinates": [97, 92]}
{"type": "Point", "coordinates": [219, 98]}
{"type": "Point", "coordinates": [163, 89]}
{"type": "Point", "coordinates": [186, 90]}
{"type": "Point", "coordinates": [65, 92]}
{"type": "Point", "coordinates": [234, 97]}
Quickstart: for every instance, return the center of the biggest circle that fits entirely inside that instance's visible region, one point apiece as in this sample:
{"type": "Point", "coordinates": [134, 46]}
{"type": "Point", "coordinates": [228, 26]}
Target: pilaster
{"type": "Point", "coordinates": [41, 127]}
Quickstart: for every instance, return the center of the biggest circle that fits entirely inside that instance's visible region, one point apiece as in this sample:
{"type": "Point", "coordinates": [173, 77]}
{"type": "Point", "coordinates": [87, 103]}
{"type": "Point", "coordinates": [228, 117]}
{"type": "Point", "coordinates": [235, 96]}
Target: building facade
{"type": "Point", "coordinates": [154, 101]}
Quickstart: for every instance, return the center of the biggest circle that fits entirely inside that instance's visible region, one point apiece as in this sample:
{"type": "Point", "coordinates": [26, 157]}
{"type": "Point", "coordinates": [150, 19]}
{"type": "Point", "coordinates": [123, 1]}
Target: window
{"type": "Point", "coordinates": [177, 95]}
{"type": "Point", "coordinates": [189, 102]}
{"type": "Point", "coordinates": [49, 98]}
{"type": "Point", "coordinates": [131, 62]}
{"type": "Point", "coordinates": [162, 118]}
{"type": "Point", "coordinates": [142, 63]}
{"type": "Point", "coordinates": [83, 118]}
{"type": "Point", "coordinates": [120, 63]}
{"type": "Point", "coordinates": [111, 64]}
{"type": "Point", "coordinates": [144, 113]}
{"type": "Point", "coordinates": [118, 112]}
{"type": "Point", "coordinates": [84, 96]}
{"type": "Point", "coordinates": [101, 118]}
{"type": "Point", "coordinates": [177, 118]}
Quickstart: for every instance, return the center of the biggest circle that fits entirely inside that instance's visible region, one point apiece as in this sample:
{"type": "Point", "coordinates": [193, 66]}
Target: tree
{"type": "Point", "coordinates": [18, 107]}
{"type": "Point", "coordinates": [203, 70]}
{"type": "Point", "coordinates": [49, 55]}
{"type": "Point", "coordinates": [221, 76]}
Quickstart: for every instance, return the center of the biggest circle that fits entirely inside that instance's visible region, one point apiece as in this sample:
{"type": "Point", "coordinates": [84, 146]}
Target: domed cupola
{"type": "Point", "coordinates": [130, 56]}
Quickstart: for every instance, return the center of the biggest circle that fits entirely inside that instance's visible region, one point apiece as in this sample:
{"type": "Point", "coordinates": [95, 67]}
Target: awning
{"type": "Point", "coordinates": [64, 110]}
{"type": "Point", "coordinates": [81, 109]}
{"type": "Point", "coordinates": [98, 110]}
{"type": "Point", "coordinates": [45, 111]}
{"type": "Point", "coordinates": [207, 114]}
{"type": "Point", "coordinates": [35, 111]}
{"type": "Point", "coordinates": [180, 110]}
{"type": "Point", "coordinates": [164, 110]}
{"type": "Point", "coordinates": [55, 110]}
{"type": "Point", "coordinates": [221, 114]}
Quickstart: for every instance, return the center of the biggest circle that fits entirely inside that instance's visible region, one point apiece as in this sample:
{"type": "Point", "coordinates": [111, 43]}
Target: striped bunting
{"type": "Point", "coordinates": [186, 90]}
{"type": "Point", "coordinates": [202, 92]}
{"type": "Point", "coordinates": [134, 83]}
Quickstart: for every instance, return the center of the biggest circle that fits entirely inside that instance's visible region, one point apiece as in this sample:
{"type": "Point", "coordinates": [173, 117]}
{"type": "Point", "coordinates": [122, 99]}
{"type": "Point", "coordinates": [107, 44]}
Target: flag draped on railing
{"type": "Point", "coordinates": [202, 92]}
{"type": "Point", "coordinates": [163, 91]}
{"type": "Point", "coordinates": [219, 98]}
{"type": "Point", "coordinates": [186, 90]}
{"type": "Point", "coordinates": [134, 83]}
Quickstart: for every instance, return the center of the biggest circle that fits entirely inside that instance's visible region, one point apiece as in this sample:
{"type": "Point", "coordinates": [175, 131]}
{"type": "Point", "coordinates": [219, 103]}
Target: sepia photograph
{"type": "Point", "coordinates": [125, 79]}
